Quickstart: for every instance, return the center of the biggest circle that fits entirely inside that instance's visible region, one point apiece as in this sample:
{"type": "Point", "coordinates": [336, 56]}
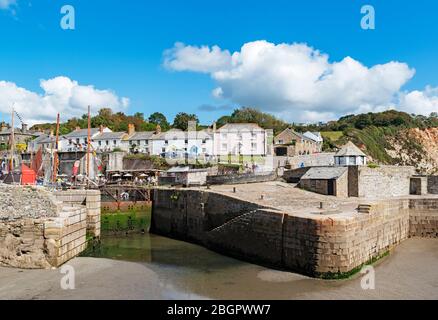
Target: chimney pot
{"type": "Point", "coordinates": [131, 129]}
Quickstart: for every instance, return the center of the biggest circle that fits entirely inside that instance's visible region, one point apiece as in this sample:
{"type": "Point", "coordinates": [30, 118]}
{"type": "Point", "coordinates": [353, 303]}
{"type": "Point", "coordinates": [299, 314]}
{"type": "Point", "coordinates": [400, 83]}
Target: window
{"type": "Point", "coordinates": [224, 135]}
{"type": "Point", "coordinates": [100, 143]}
{"type": "Point", "coordinates": [163, 150]}
{"type": "Point", "coordinates": [147, 141]}
{"type": "Point", "coordinates": [204, 141]}
{"type": "Point", "coordinates": [115, 142]}
{"type": "Point", "coordinates": [107, 142]}
{"type": "Point", "coordinates": [186, 141]}
{"type": "Point", "coordinates": [130, 142]}
{"type": "Point", "coordinates": [352, 161]}
{"type": "Point", "coordinates": [280, 141]}
{"type": "Point", "coordinates": [253, 135]}
{"type": "Point", "coordinates": [204, 150]}
{"type": "Point", "coordinates": [138, 142]}
{"type": "Point", "coordinates": [224, 146]}
{"type": "Point", "coordinates": [166, 142]}
{"type": "Point", "coordinates": [254, 146]}
{"type": "Point", "coordinates": [78, 140]}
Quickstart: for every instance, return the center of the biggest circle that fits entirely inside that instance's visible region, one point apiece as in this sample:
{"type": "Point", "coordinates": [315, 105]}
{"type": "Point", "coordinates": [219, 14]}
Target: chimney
{"type": "Point", "coordinates": [158, 129]}
{"type": "Point", "coordinates": [78, 128]}
{"type": "Point", "coordinates": [4, 127]}
{"type": "Point", "coordinates": [52, 133]}
{"type": "Point", "coordinates": [214, 127]}
{"type": "Point", "coordinates": [101, 128]}
{"type": "Point", "coordinates": [23, 127]}
{"type": "Point", "coordinates": [131, 129]}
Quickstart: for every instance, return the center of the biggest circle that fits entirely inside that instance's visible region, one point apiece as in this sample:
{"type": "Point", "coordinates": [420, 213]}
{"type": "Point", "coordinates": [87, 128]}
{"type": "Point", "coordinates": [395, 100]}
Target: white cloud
{"type": "Point", "coordinates": [420, 102]}
{"type": "Point", "coordinates": [293, 79]}
{"type": "Point", "coordinates": [61, 94]}
{"type": "Point", "coordinates": [199, 59]}
{"type": "Point", "coordinates": [7, 4]}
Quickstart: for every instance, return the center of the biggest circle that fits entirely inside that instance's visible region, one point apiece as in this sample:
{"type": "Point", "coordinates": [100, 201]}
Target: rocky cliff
{"type": "Point", "coordinates": [415, 147]}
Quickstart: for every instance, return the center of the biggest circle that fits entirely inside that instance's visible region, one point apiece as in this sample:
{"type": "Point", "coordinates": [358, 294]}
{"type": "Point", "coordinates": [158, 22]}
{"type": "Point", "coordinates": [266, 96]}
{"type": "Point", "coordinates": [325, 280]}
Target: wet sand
{"type": "Point", "coordinates": [169, 269]}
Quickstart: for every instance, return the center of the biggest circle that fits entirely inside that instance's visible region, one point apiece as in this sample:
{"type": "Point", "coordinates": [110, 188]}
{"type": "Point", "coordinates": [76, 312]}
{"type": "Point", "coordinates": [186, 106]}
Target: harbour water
{"type": "Point", "coordinates": [187, 271]}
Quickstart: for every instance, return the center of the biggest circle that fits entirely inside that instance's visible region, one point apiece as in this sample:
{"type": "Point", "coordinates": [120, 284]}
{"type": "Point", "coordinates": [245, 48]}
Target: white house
{"type": "Point", "coordinates": [140, 142]}
{"type": "Point", "coordinates": [176, 143]}
{"type": "Point", "coordinates": [350, 155]}
{"type": "Point", "coordinates": [77, 140]}
{"type": "Point", "coordinates": [240, 139]}
{"type": "Point", "coordinates": [108, 141]}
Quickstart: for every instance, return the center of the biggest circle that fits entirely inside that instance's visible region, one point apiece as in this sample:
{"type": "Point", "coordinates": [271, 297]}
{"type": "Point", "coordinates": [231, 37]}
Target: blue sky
{"type": "Point", "coordinates": [119, 45]}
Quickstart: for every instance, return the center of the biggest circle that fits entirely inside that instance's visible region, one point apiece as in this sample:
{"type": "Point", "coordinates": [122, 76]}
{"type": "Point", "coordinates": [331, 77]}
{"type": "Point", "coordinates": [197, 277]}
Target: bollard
{"type": "Point", "coordinates": [321, 205]}
{"type": "Point", "coordinates": [234, 189]}
{"type": "Point", "coordinates": [262, 197]}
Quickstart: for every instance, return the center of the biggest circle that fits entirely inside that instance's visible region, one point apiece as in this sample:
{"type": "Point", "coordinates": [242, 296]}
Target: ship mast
{"type": "Point", "coordinates": [88, 143]}
{"type": "Point", "coordinates": [55, 155]}
{"type": "Point", "coordinates": [12, 150]}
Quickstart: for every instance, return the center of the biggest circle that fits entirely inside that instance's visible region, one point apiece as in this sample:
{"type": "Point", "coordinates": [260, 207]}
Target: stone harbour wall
{"type": "Point", "coordinates": [91, 199]}
{"type": "Point", "coordinates": [318, 246]}
{"type": "Point", "coordinates": [43, 243]}
{"type": "Point", "coordinates": [40, 229]}
{"type": "Point", "coordinates": [424, 218]}
{"type": "Point", "coordinates": [383, 181]}
{"type": "Point", "coordinates": [241, 178]}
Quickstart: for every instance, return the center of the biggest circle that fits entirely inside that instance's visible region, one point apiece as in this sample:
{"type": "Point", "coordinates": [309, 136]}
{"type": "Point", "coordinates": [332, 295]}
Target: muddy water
{"type": "Point", "coordinates": [187, 271]}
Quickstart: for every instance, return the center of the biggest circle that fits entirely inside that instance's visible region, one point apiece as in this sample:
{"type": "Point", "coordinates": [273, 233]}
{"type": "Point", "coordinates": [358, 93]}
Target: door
{"type": "Point", "coordinates": [331, 187]}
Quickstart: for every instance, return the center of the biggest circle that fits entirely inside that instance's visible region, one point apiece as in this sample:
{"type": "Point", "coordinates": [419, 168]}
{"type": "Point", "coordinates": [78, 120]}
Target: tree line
{"type": "Point", "coordinates": [119, 121]}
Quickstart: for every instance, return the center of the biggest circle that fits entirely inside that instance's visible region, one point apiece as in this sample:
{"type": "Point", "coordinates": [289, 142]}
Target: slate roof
{"type": "Point", "coordinates": [240, 127]}
{"type": "Point", "coordinates": [145, 135]}
{"type": "Point", "coordinates": [315, 136]}
{"type": "Point", "coordinates": [350, 149]}
{"type": "Point", "coordinates": [18, 131]}
{"type": "Point", "coordinates": [180, 135]}
{"type": "Point", "coordinates": [45, 139]}
{"type": "Point", "coordinates": [109, 136]}
{"type": "Point", "coordinates": [324, 173]}
{"type": "Point", "coordinates": [81, 133]}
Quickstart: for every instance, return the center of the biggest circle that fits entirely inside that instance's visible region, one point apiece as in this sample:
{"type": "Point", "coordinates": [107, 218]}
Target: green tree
{"type": "Point", "coordinates": [251, 115]}
{"type": "Point", "coordinates": [182, 119]}
{"type": "Point", "coordinates": [160, 119]}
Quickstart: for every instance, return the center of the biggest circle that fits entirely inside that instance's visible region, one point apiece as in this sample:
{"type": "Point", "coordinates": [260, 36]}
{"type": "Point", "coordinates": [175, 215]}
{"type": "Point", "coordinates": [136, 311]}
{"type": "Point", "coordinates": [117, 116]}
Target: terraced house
{"type": "Point", "coordinates": [175, 143]}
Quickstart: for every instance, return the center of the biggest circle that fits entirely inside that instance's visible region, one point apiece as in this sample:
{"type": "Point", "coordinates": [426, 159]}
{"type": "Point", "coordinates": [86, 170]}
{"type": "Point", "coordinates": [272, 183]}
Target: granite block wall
{"type": "Point", "coordinates": [316, 246]}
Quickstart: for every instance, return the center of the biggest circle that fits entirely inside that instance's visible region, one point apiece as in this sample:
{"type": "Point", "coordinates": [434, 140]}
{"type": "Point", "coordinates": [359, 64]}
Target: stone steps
{"type": "Point", "coordinates": [364, 208]}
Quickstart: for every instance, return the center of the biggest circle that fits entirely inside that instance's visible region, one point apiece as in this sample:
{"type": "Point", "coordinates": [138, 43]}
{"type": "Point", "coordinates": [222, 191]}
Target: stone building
{"type": "Point", "coordinates": [350, 155]}
{"type": "Point", "coordinates": [21, 136]}
{"type": "Point", "coordinates": [184, 176]}
{"type": "Point", "coordinates": [332, 181]}
{"type": "Point", "coordinates": [290, 143]}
